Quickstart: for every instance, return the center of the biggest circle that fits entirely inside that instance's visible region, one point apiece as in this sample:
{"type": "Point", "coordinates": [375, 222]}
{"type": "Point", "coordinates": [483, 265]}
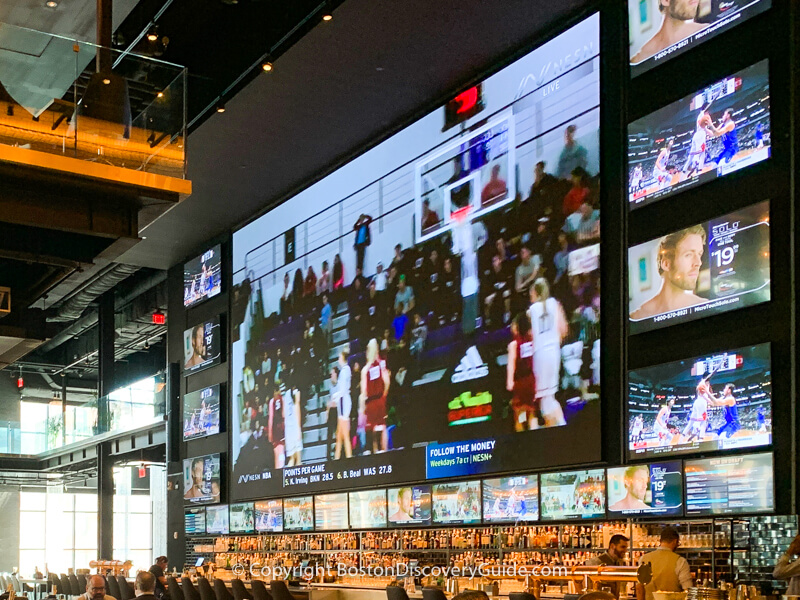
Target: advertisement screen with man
{"type": "Point", "coordinates": [663, 29]}
{"type": "Point", "coordinates": [720, 401]}
{"type": "Point", "coordinates": [655, 489]}
{"type": "Point", "coordinates": [701, 270]}
{"type": "Point", "coordinates": [202, 346]}
{"type": "Point", "coordinates": [201, 479]}
{"type": "Point", "coordinates": [442, 294]}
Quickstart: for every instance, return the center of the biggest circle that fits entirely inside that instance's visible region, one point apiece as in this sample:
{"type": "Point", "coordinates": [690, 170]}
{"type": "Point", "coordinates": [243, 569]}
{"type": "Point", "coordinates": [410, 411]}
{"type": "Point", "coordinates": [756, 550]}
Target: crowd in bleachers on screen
{"type": "Point", "coordinates": [417, 290]}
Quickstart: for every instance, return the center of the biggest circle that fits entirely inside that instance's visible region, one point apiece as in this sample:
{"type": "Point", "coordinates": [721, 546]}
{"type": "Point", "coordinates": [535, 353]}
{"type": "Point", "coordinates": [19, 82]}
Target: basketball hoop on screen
{"type": "Point", "coordinates": [460, 215]}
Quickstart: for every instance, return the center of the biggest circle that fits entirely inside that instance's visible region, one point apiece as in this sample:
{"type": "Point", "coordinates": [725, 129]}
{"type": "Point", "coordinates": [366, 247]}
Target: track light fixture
{"type": "Point", "coordinates": [327, 13]}
{"type": "Point", "coordinates": [152, 34]}
{"type": "Point", "coordinates": [220, 107]}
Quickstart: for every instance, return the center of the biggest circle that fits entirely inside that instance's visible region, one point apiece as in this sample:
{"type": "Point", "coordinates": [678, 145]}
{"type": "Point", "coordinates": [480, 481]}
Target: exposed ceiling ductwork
{"type": "Point", "coordinates": [76, 304]}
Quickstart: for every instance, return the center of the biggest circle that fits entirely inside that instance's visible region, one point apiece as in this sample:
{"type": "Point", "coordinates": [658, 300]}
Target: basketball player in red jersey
{"type": "Point", "coordinates": [519, 374]}
{"type": "Point", "coordinates": [375, 379]}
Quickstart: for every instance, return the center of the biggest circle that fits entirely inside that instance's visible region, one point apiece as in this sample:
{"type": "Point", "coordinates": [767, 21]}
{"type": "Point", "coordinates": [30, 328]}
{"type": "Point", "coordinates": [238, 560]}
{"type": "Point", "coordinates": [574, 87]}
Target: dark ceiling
{"type": "Point", "coordinates": [335, 91]}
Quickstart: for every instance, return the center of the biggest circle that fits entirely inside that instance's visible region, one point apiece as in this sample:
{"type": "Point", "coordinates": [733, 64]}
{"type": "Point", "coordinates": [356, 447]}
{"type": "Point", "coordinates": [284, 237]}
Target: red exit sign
{"type": "Point", "coordinates": [159, 318]}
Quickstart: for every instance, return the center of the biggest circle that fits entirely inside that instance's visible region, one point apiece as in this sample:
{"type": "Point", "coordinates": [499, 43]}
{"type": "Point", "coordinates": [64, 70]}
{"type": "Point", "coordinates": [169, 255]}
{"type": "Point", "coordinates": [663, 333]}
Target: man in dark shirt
{"type": "Point", "coordinates": [497, 301]}
{"type": "Point", "coordinates": [615, 555]}
{"type": "Point", "coordinates": [160, 583]}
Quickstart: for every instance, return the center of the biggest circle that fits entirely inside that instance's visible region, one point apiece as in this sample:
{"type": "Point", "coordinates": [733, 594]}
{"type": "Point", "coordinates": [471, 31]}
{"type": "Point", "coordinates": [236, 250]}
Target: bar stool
{"type": "Point", "coordinates": [206, 593]}
{"type": "Point", "coordinates": [395, 592]}
{"type": "Point", "coordinates": [259, 590]}
{"type": "Point", "coordinates": [433, 593]}
{"type": "Point", "coordinates": [280, 591]}
{"type": "Point", "coordinates": [75, 585]}
{"type": "Point", "coordinates": [65, 585]}
{"type": "Point", "coordinates": [239, 591]}
{"type": "Point", "coordinates": [189, 591]}
{"type": "Point", "coordinates": [175, 592]}
{"type": "Point", "coordinates": [221, 590]}
{"type": "Point", "coordinates": [113, 587]}
{"type": "Point", "coordinates": [82, 582]}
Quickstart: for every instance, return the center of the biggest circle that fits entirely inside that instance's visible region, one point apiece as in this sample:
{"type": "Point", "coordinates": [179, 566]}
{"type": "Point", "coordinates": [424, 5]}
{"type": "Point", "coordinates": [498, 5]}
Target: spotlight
{"type": "Point", "coordinates": [51, 4]}
{"type": "Point", "coordinates": [267, 66]}
{"type": "Point", "coordinates": [152, 35]}
{"type": "Point", "coordinates": [160, 95]}
{"type": "Point", "coordinates": [327, 16]}
{"type": "Point", "coordinates": [106, 81]}
{"type": "Point", "coordinates": [220, 107]}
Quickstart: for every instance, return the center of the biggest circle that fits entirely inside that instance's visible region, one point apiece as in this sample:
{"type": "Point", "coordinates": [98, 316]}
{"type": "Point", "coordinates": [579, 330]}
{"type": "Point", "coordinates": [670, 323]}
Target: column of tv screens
{"type": "Point", "coordinates": [741, 484]}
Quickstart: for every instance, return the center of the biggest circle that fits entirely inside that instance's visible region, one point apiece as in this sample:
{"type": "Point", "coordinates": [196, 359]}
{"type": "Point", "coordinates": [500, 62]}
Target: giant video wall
{"type": "Point", "coordinates": [431, 309]}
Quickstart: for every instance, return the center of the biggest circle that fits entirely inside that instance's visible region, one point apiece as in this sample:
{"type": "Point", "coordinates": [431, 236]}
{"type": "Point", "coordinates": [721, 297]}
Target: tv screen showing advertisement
{"type": "Point", "coordinates": [242, 519]}
{"type": "Point", "coordinates": [269, 516]}
{"type": "Point", "coordinates": [662, 30]}
{"type": "Point", "coordinates": [368, 509]}
{"type": "Point", "coordinates": [511, 499]}
{"type": "Point", "coordinates": [201, 479]}
{"type": "Point", "coordinates": [217, 521]}
{"type": "Point", "coordinates": [719, 401]}
{"type": "Point", "coordinates": [426, 257]}
{"type": "Point", "coordinates": [410, 505]}
{"type": "Point", "coordinates": [201, 413]}
{"type": "Point", "coordinates": [712, 132]}
{"type": "Point", "coordinates": [730, 485]}
{"type": "Point", "coordinates": [202, 277]}
{"type": "Point", "coordinates": [457, 502]}
{"type": "Point", "coordinates": [330, 512]}
{"type": "Point", "coordinates": [202, 346]}
{"type": "Point", "coordinates": [298, 514]}
{"type": "Point", "coordinates": [195, 521]}
{"type": "Point", "coordinates": [573, 495]}
{"type": "Point", "coordinates": [646, 490]}
{"type": "Point", "coordinates": [699, 271]}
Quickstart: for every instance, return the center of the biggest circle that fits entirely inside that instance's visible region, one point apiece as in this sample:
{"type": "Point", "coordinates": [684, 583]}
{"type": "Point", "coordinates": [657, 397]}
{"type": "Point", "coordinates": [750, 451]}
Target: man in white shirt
{"type": "Point", "coordinates": [670, 572]}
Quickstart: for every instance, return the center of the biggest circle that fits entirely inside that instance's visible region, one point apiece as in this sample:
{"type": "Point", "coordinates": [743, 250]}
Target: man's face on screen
{"type": "Point", "coordinates": [681, 10]}
{"type": "Point", "coordinates": [684, 269]}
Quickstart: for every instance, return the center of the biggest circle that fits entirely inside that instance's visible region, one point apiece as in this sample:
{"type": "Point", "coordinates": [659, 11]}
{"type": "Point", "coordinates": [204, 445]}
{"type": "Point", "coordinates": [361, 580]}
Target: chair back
{"type": "Point", "coordinates": [125, 588]}
{"type": "Point", "coordinates": [65, 585]}
{"type": "Point", "coordinates": [395, 592]}
{"type": "Point", "coordinates": [174, 590]}
{"type": "Point", "coordinates": [75, 585]}
{"type": "Point", "coordinates": [433, 593]}
{"type": "Point", "coordinates": [189, 591]}
{"type": "Point", "coordinates": [239, 591]}
{"type": "Point", "coordinates": [259, 590]}
{"type": "Point", "coordinates": [113, 587]}
{"type": "Point", "coordinates": [206, 593]}
{"type": "Point", "coordinates": [82, 582]}
{"type": "Point", "coordinates": [279, 590]}
{"type": "Point", "coordinates": [521, 596]}
{"type": "Point", "coordinates": [16, 583]}
{"type": "Point", "coordinates": [221, 590]}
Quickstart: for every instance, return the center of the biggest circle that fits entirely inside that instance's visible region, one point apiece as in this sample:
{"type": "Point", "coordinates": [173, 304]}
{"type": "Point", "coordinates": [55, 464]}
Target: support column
{"type": "Point", "coordinates": [105, 463]}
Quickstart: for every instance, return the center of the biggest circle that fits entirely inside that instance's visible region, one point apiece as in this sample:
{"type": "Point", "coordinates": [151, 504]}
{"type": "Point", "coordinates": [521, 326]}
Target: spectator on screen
{"type": "Point", "coordinates": [338, 273]}
{"type": "Point", "coordinates": [310, 284]}
{"type": "Point", "coordinates": [326, 318]}
{"type": "Point", "coordinates": [429, 216]}
{"type": "Point", "coordinates": [380, 278]}
{"type": "Point", "coordinates": [497, 301]}
{"type": "Point", "coordinates": [573, 155]}
{"type": "Point", "coordinates": [578, 193]}
{"type": "Point", "coordinates": [526, 273]}
{"type": "Point", "coordinates": [584, 224]}
{"type": "Point", "coordinates": [363, 238]}
{"type": "Point", "coordinates": [404, 299]}
{"type": "Point", "coordinates": [287, 299]}
{"type": "Point", "coordinates": [495, 188]}
{"type": "Point", "coordinates": [360, 278]}
{"type": "Point", "coordinates": [324, 285]}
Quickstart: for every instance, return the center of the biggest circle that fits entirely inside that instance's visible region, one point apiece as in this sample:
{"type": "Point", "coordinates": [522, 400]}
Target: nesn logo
{"type": "Point", "coordinates": [470, 367]}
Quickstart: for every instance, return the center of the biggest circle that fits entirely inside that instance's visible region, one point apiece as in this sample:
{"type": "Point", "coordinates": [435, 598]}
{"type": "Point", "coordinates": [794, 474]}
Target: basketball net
{"type": "Point", "coordinates": [460, 215]}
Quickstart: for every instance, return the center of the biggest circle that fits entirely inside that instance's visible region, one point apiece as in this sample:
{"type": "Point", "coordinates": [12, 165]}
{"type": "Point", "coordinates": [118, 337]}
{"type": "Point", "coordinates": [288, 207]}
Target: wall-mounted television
{"type": "Point", "coordinates": [719, 401]}
{"type": "Point", "coordinates": [202, 277]}
{"type": "Point", "coordinates": [511, 499]}
{"type": "Point", "coordinates": [269, 516]}
{"type": "Point", "coordinates": [202, 346]}
{"type": "Point", "coordinates": [202, 479]}
{"type": "Point", "coordinates": [201, 413]}
{"type": "Point", "coordinates": [710, 133]}
{"type": "Point", "coordinates": [701, 270]}
{"type": "Point", "coordinates": [646, 490]}
{"type": "Point", "coordinates": [573, 495]}
{"type": "Point", "coordinates": [368, 509]}
{"type": "Point", "coordinates": [330, 512]}
{"type": "Point", "coordinates": [730, 485]}
{"type": "Point", "coordinates": [420, 218]}
{"type": "Point", "coordinates": [195, 521]}
{"type": "Point", "coordinates": [410, 505]}
{"type": "Point", "coordinates": [217, 519]}
{"type": "Point", "coordinates": [660, 31]}
{"type": "Point", "coordinates": [457, 502]}
{"type": "Point", "coordinates": [298, 514]}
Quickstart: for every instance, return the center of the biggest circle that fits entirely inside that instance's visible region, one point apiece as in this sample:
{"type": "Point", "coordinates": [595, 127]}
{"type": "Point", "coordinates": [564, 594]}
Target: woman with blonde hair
{"type": "Point", "coordinates": [375, 379]}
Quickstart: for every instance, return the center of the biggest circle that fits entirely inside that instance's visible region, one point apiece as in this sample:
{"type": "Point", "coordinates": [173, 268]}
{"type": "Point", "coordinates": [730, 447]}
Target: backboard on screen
{"type": "Point", "coordinates": [720, 401]}
{"type": "Point", "coordinates": [409, 270]}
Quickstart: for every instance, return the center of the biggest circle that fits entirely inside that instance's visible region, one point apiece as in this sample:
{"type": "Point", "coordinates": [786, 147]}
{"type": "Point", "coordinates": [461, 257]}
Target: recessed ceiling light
{"type": "Point", "coordinates": [267, 66]}
{"type": "Point", "coordinates": [220, 108]}
{"type": "Point", "coordinates": [51, 4]}
{"type": "Point", "coordinates": [327, 17]}
{"type": "Point", "coordinates": [160, 94]}
{"type": "Point", "coordinates": [106, 81]}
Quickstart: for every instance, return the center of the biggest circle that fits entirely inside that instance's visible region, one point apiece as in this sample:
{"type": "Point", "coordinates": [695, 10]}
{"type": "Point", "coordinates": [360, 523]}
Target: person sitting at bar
{"type": "Point", "coordinates": [145, 585]}
{"type": "Point", "coordinates": [96, 589]}
{"type": "Point", "coordinates": [158, 570]}
{"type": "Point", "coordinates": [615, 555]}
{"type": "Point", "coordinates": [788, 567]}
{"type": "Point", "coordinates": [670, 572]}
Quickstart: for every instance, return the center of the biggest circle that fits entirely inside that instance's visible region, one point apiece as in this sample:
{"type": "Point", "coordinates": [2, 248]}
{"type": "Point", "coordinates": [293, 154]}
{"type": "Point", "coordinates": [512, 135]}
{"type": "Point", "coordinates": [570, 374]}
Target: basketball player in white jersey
{"type": "Point", "coordinates": [697, 151]}
{"type": "Point", "coordinates": [549, 327]}
{"type": "Point", "coordinates": [660, 171]}
{"type": "Point", "coordinates": [661, 427]}
{"type": "Point", "coordinates": [636, 178]}
{"type": "Point", "coordinates": [697, 423]}
{"type": "Point", "coordinates": [637, 429]}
